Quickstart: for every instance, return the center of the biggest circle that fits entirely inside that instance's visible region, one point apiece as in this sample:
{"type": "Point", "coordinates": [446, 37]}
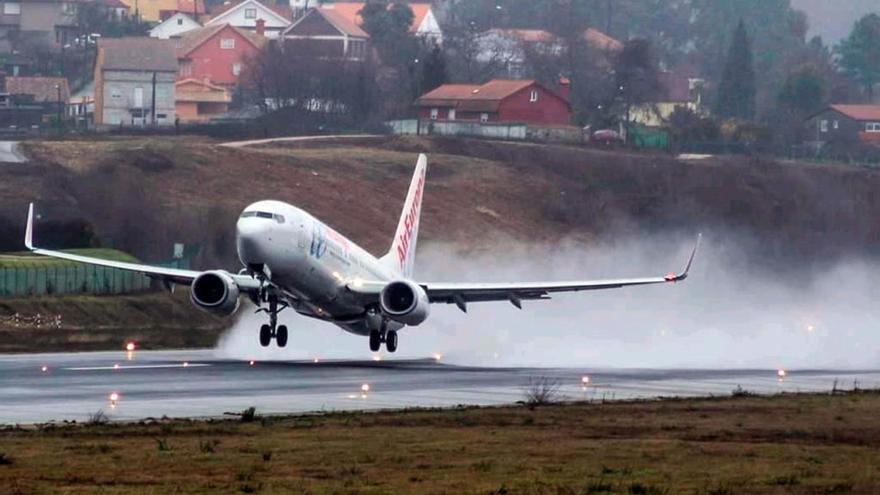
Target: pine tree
{"type": "Point", "coordinates": [433, 70]}
{"type": "Point", "coordinates": [860, 53]}
{"type": "Point", "coordinates": [736, 92]}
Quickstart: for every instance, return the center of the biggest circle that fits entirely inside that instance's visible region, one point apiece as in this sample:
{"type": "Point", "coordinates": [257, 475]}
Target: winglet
{"type": "Point", "coordinates": [684, 274]}
{"type": "Point", "coordinates": [29, 230]}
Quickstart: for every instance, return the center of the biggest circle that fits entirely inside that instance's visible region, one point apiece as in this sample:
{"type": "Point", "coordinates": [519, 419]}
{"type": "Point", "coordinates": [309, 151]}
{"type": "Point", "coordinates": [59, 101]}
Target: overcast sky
{"type": "Point", "coordinates": [833, 19]}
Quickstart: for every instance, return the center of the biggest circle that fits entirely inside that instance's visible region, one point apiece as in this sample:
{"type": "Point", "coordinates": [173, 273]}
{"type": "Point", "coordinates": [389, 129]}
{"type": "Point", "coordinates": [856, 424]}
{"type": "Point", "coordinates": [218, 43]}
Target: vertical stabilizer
{"type": "Point", "coordinates": [401, 258]}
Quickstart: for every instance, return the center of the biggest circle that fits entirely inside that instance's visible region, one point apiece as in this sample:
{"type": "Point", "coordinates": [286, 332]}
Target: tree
{"type": "Point", "coordinates": [636, 75]}
{"type": "Point", "coordinates": [736, 92]}
{"type": "Point", "coordinates": [433, 70]}
{"type": "Point", "coordinates": [860, 53]}
{"type": "Point", "coordinates": [803, 91]}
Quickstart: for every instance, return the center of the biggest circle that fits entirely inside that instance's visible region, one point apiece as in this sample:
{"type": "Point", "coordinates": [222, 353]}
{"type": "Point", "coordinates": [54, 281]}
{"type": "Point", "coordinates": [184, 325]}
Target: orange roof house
{"type": "Point", "coordinates": [198, 101]}
{"type": "Point", "coordinates": [845, 123]}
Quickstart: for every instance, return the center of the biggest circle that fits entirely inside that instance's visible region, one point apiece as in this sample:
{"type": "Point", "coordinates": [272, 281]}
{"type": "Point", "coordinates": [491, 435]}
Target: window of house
{"type": "Point", "coordinates": [115, 93]}
{"type": "Point", "coordinates": [185, 69]}
{"type": "Point", "coordinates": [180, 21]}
{"type": "Point", "coordinates": [161, 116]}
{"type": "Point", "coordinates": [836, 124]}
{"type": "Point", "coordinates": [236, 69]}
{"type": "Point", "coordinates": [823, 126]}
{"type": "Point", "coordinates": [434, 113]}
{"type": "Point", "coordinates": [11, 8]}
{"type": "Point", "coordinates": [873, 127]}
{"type": "Point", "coordinates": [68, 8]}
{"type": "Point", "coordinates": [451, 114]}
{"type": "Point", "coordinates": [250, 13]}
{"type": "Point", "coordinates": [533, 95]}
{"type": "Point", "coordinates": [484, 117]}
{"type": "Point", "coordinates": [227, 43]}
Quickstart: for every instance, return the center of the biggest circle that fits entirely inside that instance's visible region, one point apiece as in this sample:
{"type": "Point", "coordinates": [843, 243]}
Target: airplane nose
{"type": "Point", "coordinates": [250, 236]}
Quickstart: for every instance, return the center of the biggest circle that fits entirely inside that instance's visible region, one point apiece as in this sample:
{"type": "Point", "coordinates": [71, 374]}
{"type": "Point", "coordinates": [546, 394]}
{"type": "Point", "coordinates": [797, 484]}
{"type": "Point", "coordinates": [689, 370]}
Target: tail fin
{"type": "Point", "coordinates": [401, 257]}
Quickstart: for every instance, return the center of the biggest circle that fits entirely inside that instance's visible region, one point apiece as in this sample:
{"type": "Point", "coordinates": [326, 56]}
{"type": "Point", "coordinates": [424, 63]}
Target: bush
{"type": "Point", "coordinates": [542, 391]}
{"type": "Point", "coordinates": [249, 415]}
{"type": "Point", "coordinates": [97, 418]}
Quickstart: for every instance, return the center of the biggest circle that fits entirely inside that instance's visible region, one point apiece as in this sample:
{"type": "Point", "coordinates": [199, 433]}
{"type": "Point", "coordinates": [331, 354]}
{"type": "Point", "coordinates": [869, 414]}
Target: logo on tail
{"type": "Point", "coordinates": [401, 256]}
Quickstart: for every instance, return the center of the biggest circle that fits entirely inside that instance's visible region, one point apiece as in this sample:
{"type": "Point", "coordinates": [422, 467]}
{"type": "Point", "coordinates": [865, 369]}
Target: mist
{"type": "Point", "coordinates": [728, 314]}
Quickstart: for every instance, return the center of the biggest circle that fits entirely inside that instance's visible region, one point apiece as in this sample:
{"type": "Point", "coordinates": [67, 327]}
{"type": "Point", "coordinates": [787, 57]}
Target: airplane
{"type": "Point", "coordinates": [293, 260]}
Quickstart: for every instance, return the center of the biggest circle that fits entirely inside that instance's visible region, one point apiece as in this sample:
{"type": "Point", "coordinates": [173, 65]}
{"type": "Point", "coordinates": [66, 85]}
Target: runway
{"type": "Point", "coordinates": [196, 384]}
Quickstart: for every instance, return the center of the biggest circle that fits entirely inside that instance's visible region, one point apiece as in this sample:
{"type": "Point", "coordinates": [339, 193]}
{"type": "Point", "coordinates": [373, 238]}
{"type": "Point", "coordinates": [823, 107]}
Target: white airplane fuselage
{"type": "Point", "coordinates": [310, 262]}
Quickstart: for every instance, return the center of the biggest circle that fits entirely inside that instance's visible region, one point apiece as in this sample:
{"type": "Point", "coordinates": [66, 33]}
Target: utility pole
{"type": "Point", "coordinates": [153, 106]}
{"type": "Point", "coordinates": [60, 110]}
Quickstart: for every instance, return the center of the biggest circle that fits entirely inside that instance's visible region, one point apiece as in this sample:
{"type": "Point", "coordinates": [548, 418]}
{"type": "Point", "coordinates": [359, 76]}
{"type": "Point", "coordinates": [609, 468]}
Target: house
{"type": "Point", "coordinates": [159, 10]}
{"type": "Point", "coordinates": [52, 94]}
{"type": "Point", "coordinates": [507, 48]}
{"type": "Point", "coordinates": [846, 124]}
{"type": "Point", "coordinates": [325, 33]}
{"type": "Point", "coordinates": [679, 90]}
{"type": "Point", "coordinates": [116, 10]}
{"type": "Point", "coordinates": [134, 81]}
{"type": "Point", "coordinates": [45, 23]}
{"type": "Point", "coordinates": [175, 25]}
{"type": "Point", "coordinates": [216, 53]}
{"type": "Point", "coordinates": [245, 14]}
{"type": "Point", "coordinates": [199, 101]}
{"type": "Point", "coordinates": [424, 22]}
{"type": "Point", "coordinates": [507, 101]}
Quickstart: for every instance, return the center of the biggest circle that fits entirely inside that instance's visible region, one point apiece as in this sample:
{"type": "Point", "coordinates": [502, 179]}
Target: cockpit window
{"type": "Point", "coordinates": [262, 214]}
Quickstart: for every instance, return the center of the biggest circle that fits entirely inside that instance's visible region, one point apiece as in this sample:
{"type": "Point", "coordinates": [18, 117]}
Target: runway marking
{"type": "Point", "coordinates": [136, 367]}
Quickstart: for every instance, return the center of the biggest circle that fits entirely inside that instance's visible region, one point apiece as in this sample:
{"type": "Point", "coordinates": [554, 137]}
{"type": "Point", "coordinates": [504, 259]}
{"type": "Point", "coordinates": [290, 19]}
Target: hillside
{"type": "Point", "coordinates": [143, 194]}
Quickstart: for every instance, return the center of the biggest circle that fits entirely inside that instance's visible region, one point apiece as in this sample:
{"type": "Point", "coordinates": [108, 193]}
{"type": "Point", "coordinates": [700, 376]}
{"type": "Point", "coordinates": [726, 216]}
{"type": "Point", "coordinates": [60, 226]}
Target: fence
{"type": "Point", "coordinates": [67, 278]}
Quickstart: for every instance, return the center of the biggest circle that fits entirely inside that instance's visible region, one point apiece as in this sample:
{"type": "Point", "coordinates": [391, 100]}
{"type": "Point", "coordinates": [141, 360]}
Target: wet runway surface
{"type": "Point", "coordinates": [196, 384]}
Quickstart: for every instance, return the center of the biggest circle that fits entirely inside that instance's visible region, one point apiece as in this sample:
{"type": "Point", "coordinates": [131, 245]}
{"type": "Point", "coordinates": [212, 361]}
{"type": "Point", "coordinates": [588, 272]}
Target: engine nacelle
{"type": "Point", "coordinates": [405, 301]}
{"type": "Point", "coordinates": [215, 292]}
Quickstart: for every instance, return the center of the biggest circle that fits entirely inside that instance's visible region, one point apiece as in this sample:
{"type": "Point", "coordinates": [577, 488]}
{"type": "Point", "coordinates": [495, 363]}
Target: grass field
{"type": "Point", "coordinates": [811, 444]}
{"type": "Point", "coordinates": [25, 259]}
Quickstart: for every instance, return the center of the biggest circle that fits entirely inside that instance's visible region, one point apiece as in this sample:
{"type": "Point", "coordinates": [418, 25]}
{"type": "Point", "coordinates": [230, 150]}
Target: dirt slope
{"type": "Point", "coordinates": [146, 193]}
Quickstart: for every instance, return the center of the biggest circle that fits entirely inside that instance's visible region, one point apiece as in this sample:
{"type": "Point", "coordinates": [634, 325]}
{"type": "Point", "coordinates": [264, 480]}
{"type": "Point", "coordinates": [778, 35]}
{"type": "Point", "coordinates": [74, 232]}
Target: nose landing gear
{"type": "Point", "coordinates": [273, 330]}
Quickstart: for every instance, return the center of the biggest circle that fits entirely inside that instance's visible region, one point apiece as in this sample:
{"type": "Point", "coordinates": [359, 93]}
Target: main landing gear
{"type": "Point", "coordinates": [273, 330]}
{"type": "Point", "coordinates": [389, 337]}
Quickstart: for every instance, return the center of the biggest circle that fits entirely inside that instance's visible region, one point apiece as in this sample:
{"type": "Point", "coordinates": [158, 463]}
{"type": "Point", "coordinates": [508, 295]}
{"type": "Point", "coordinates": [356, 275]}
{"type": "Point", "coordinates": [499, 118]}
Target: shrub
{"type": "Point", "coordinates": [249, 415]}
{"type": "Point", "coordinates": [542, 391]}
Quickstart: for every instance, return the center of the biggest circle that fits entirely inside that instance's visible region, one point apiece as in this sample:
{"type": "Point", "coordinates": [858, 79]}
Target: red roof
{"type": "Point", "coordinates": [475, 97]}
{"type": "Point", "coordinates": [194, 38]}
{"type": "Point", "coordinates": [351, 12]}
{"type": "Point", "coordinates": [859, 112]}
{"type": "Point", "coordinates": [342, 22]}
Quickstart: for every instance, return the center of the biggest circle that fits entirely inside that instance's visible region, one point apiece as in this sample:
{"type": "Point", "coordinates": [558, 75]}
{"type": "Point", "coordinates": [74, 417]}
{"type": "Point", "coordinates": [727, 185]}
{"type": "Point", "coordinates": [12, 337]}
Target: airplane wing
{"type": "Point", "coordinates": [462, 293]}
{"type": "Point", "coordinates": [167, 275]}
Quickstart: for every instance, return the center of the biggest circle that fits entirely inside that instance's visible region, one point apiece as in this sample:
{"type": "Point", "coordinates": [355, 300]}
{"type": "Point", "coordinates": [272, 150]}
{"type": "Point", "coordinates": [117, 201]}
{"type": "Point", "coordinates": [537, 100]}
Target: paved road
{"type": "Point", "coordinates": [9, 153]}
{"type": "Point", "coordinates": [196, 384]}
{"type": "Point", "coordinates": [254, 142]}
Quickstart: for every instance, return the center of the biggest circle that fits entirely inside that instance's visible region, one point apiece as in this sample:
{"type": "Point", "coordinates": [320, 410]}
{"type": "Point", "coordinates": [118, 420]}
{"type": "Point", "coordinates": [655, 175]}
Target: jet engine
{"type": "Point", "coordinates": [215, 292]}
{"type": "Point", "coordinates": [405, 301]}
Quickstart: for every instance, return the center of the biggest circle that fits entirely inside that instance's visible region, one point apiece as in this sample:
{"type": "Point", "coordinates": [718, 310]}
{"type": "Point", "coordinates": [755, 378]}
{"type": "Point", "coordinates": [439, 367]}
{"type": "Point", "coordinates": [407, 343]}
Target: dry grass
{"type": "Point", "coordinates": [811, 444]}
{"type": "Point", "coordinates": [88, 323]}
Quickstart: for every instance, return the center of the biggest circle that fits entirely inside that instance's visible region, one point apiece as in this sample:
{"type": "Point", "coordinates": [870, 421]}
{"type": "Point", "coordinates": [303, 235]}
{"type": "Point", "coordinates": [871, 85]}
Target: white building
{"type": "Point", "coordinates": [174, 26]}
{"type": "Point", "coordinates": [244, 15]}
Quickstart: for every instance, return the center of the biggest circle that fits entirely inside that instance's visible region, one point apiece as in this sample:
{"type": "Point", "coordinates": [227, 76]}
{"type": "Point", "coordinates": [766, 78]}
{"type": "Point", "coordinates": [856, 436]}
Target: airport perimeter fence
{"type": "Point", "coordinates": [68, 278]}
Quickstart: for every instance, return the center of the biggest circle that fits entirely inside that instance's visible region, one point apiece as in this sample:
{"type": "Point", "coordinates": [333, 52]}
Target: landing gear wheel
{"type": "Point", "coordinates": [375, 340]}
{"type": "Point", "coordinates": [281, 336]}
{"type": "Point", "coordinates": [391, 341]}
{"type": "Point", "coordinates": [265, 335]}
